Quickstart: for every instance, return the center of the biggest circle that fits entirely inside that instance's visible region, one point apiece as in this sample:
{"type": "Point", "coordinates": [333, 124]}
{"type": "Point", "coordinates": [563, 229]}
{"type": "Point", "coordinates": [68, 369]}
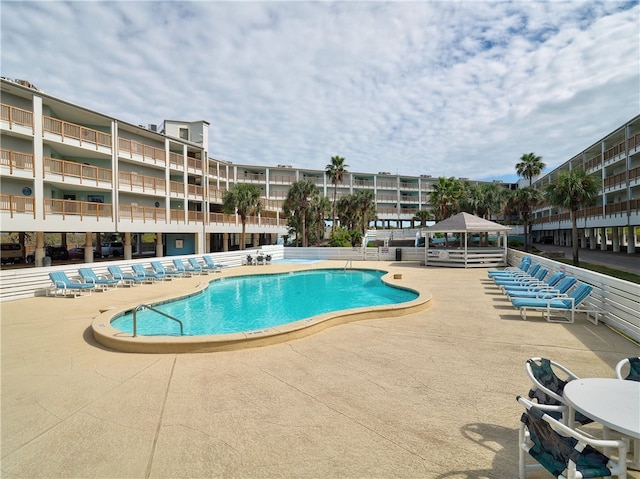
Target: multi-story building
{"type": "Point", "coordinates": [614, 221]}
{"type": "Point", "coordinates": [65, 168]}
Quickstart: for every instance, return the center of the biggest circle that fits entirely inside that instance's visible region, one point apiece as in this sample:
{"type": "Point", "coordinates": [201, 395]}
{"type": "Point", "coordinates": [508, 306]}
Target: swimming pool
{"type": "Point", "coordinates": [249, 303]}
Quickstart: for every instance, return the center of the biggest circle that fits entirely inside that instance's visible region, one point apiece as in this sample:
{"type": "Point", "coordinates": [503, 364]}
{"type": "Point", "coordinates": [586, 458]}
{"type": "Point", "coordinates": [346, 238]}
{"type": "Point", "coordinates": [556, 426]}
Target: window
{"type": "Point", "coordinates": [184, 133]}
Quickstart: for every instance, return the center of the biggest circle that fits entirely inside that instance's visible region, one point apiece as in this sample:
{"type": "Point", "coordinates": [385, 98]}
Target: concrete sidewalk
{"type": "Point", "coordinates": [428, 395]}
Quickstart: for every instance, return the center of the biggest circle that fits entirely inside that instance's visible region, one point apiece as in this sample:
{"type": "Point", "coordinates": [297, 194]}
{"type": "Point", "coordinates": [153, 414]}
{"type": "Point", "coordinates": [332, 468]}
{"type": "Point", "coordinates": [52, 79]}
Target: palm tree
{"type": "Point", "coordinates": [530, 166]}
{"type": "Point", "coordinates": [445, 197]}
{"type": "Point", "coordinates": [244, 200]}
{"type": "Point", "coordinates": [573, 190]}
{"type": "Point", "coordinates": [335, 171]}
{"type": "Point", "coordinates": [423, 216]}
{"type": "Point", "coordinates": [366, 207]}
{"type": "Point", "coordinates": [297, 202]}
{"type": "Point", "coordinates": [526, 200]}
{"type": "Point", "coordinates": [319, 209]}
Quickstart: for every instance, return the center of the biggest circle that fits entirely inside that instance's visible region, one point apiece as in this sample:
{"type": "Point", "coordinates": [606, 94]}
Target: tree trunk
{"type": "Point", "coordinates": [574, 237]}
{"type": "Point", "coordinates": [526, 229]}
{"type": "Point", "coordinates": [333, 209]}
{"type": "Point", "coordinates": [304, 229]}
{"type": "Point", "coordinates": [242, 234]}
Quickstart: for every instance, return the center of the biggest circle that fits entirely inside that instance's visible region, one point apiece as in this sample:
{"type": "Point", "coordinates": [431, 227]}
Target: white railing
{"type": "Point", "coordinates": [618, 300]}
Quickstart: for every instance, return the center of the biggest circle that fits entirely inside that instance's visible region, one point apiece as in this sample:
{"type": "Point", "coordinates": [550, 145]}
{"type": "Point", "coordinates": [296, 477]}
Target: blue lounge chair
{"type": "Point", "coordinates": [516, 275]}
{"type": "Point", "coordinates": [102, 282]}
{"type": "Point", "coordinates": [550, 282]}
{"type": "Point", "coordinates": [164, 273]}
{"type": "Point", "coordinates": [543, 292]}
{"type": "Point", "coordinates": [61, 283]}
{"type": "Point", "coordinates": [210, 265]}
{"type": "Point", "coordinates": [524, 264]}
{"type": "Point", "coordinates": [125, 278]}
{"type": "Point", "coordinates": [565, 306]}
{"type": "Point", "coordinates": [193, 262]}
{"type": "Point", "coordinates": [149, 275]}
{"type": "Point", "coordinates": [535, 278]}
{"type": "Point", "coordinates": [186, 270]}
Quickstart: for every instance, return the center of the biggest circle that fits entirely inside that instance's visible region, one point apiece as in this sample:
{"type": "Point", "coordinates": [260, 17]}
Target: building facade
{"type": "Point", "coordinates": [614, 221]}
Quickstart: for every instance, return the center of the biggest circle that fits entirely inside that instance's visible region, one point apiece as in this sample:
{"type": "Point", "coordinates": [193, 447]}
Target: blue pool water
{"type": "Point", "coordinates": [248, 303]}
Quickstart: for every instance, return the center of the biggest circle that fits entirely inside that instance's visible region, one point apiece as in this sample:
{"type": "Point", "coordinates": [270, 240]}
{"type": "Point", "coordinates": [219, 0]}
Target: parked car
{"type": "Point", "coordinates": [78, 253]}
{"type": "Point", "coordinates": [114, 249]}
{"type": "Point", "coordinates": [53, 252]}
{"type": "Point", "coordinates": [12, 253]}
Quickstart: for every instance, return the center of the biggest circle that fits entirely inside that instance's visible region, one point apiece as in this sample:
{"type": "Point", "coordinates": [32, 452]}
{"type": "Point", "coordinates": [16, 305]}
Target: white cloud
{"type": "Point", "coordinates": [442, 88]}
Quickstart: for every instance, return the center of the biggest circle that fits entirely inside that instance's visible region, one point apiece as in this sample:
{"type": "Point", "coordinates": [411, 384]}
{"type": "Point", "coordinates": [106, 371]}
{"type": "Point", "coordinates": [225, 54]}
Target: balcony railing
{"type": "Point", "coordinates": [408, 186]}
{"type": "Point", "coordinates": [614, 151]}
{"type": "Point", "coordinates": [272, 205]}
{"type": "Point", "coordinates": [216, 194]}
{"type": "Point", "coordinates": [84, 209]}
{"type": "Point", "coordinates": [634, 141]}
{"type": "Point", "coordinates": [16, 116]}
{"type": "Point", "coordinates": [195, 216]}
{"type": "Point", "coordinates": [594, 162]}
{"type": "Point", "coordinates": [176, 160]}
{"type": "Point", "coordinates": [616, 208]}
{"type": "Point", "coordinates": [147, 184]}
{"type": "Point", "coordinates": [392, 185]}
{"type": "Point", "coordinates": [195, 190]}
{"type": "Point", "coordinates": [222, 218]}
{"type": "Point", "coordinates": [363, 183]}
{"type": "Point", "coordinates": [17, 204]}
{"type": "Point", "coordinates": [16, 160]}
{"type": "Point", "coordinates": [146, 214]}
{"type": "Point", "coordinates": [86, 173]}
{"type": "Point", "coordinates": [251, 178]}
{"type": "Point", "coordinates": [194, 163]}
{"type": "Point", "coordinates": [176, 187]}
{"type": "Point", "coordinates": [149, 153]}
{"type": "Point", "coordinates": [177, 216]}
{"type": "Point", "coordinates": [77, 132]}
{"type": "Point", "coordinates": [634, 173]}
{"type": "Point", "coordinates": [281, 179]}
{"type": "Point", "coordinates": [615, 180]}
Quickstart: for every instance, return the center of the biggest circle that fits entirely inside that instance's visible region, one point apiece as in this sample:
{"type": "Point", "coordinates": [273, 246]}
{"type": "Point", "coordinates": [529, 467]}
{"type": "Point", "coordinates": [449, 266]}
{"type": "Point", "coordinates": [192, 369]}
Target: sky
{"type": "Point", "coordinates": [443, 88]}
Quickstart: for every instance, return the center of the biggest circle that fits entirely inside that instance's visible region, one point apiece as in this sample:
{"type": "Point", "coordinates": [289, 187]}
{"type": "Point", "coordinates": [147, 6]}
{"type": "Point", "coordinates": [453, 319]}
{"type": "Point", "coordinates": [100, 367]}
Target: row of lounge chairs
{"type": "Point", "coordinates": [529, 287]}
{"type": "Point", "coordinates": [89, 280]}
{"type": "Point", "coordinates": [551, 432]}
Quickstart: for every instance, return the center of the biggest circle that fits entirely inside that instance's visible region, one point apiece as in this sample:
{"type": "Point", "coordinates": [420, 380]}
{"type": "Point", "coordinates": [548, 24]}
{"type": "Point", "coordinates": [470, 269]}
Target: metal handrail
{"type": "Point", "coordinates": [349, 263]}
{"type": "Point", "coordinates": [143, 306]}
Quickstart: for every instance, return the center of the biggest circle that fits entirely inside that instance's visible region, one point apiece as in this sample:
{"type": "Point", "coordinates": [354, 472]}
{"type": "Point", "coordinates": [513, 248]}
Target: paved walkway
{"type": "Point", "coordinates": [622, 260]}
{"type": "Point", "coordinates": [428, 395]}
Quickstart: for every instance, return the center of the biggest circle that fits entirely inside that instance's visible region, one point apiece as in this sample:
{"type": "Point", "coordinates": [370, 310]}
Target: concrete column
{"type": "Point", "coordinates": [631, 239]}
{"type": "Point", "coordinates": [207, 243]}
{"type": "Point", "coordinates": [583, 238]}
{"type": "Point", "coordinates": [127, 246]}
{"type": "Point", "coordinates": [88, 247]}
{"type": "Point", "coordinates": [225, 242]}
{"type": "Point", "coordinates": [603, 239]}
{"type": "Point", "coordinates": [39, 253]}
{"type": "Point", "coordinates": [158, 245]}
{"type": "Point", "coordinates": [255, 240]}
{"type": "Point", "coordinates": [615, 239]}
{"type": "Point", "coordinates": [593, 238]}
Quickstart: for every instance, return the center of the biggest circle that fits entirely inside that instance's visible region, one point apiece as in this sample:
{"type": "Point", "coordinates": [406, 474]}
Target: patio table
{"type": "Point", "coordinates": [614, 403]}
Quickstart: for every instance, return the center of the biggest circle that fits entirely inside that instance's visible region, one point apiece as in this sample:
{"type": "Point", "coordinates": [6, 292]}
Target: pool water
{"type": "Point", "coordinates": [248, 303]}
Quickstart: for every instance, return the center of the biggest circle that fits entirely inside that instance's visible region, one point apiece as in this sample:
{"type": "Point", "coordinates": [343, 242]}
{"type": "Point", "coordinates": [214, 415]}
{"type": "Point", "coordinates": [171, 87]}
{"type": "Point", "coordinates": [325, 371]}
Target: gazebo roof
{"type": "Point", "coordinates": [465, 222]}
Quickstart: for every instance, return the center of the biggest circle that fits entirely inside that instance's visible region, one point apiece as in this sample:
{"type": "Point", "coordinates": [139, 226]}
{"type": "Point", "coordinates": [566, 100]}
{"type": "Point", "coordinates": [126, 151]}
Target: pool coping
{"type": "Point", "coordinates": [108, 336]}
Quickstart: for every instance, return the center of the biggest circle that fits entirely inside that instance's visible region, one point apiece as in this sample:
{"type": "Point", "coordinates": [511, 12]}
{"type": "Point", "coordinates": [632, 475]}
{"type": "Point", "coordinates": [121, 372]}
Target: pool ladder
{"type": "Point", "coordinates": [146, 306]}
{"type": "Point", "coordinates": [348, 264]}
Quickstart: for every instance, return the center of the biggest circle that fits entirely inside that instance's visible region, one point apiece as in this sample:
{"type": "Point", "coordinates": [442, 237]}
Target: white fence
{"type": "Point", "coordinates": [618, 300]}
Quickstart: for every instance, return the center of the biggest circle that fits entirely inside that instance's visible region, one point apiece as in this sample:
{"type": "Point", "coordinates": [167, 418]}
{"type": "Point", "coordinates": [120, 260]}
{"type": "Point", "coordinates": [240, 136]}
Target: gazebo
{"type": "Point", "coordinates": [466, 249]}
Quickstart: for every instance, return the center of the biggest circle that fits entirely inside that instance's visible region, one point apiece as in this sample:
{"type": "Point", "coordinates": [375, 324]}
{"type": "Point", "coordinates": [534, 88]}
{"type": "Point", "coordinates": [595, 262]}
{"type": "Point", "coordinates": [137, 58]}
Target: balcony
{"type": "Point", "coordinates": [409, 186]}
{"type": "Point", "coordinates": [593, 163]}
{"type": "Point", "coordinates": [251, 178]}
{"type": "Point", "coordinates": [281, 179]}
{"type": "Point", "coordinates": [216, 194]}
{"type": "Point", "coordinates": [387, 185]}
{"type": "Point", "coordinates": [613, 152]}
{"type": "Point", "coordinates": [615, 180]}
{"type": "Point", "coordinates": [195, 191]}
{"type": "Point", "coordinates": [16, 116]}
{"type": "Point", "coordinates": [271, 205]}
{"type": "Point", "coordinates": [141, 183]}
{"type": "Point", "coordinates": [176, 188]}
{"type": "Point", "coordinates": [363, 183]}
{"type": "Point", "coordinates": [634, 141]}
{"type": "Point", "coordinates": [146, 153]}
{"type": "Point", "coordinates": [16, 204]}
{"type": "Point", "coordinates": [84, 136]}
{"type": "Point", "coordinates": [16, 160]}
{"type": "Point", "coordinates": [144, 214]}
{"type": "Point", "coordinates": [86, 174]}
{"type": "Point", "coordinates": [616, 209]}
{"type": "Point", "coordinates": [222, 218]}
{"type": "Point", "coordinates": [176, 160]}
{"type": "Point", "coordinates": [194, 164]}
{"type": "Point", "coordinates": [83, 209]}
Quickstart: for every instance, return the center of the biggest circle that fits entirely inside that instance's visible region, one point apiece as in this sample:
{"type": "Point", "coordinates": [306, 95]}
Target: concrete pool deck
{"type": "Point", "coordinates": [430, 394]}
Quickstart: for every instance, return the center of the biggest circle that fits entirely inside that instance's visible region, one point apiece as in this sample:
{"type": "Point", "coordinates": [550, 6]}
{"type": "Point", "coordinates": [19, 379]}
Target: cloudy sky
{"type": "Point", "coordinates": [445, 88]}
